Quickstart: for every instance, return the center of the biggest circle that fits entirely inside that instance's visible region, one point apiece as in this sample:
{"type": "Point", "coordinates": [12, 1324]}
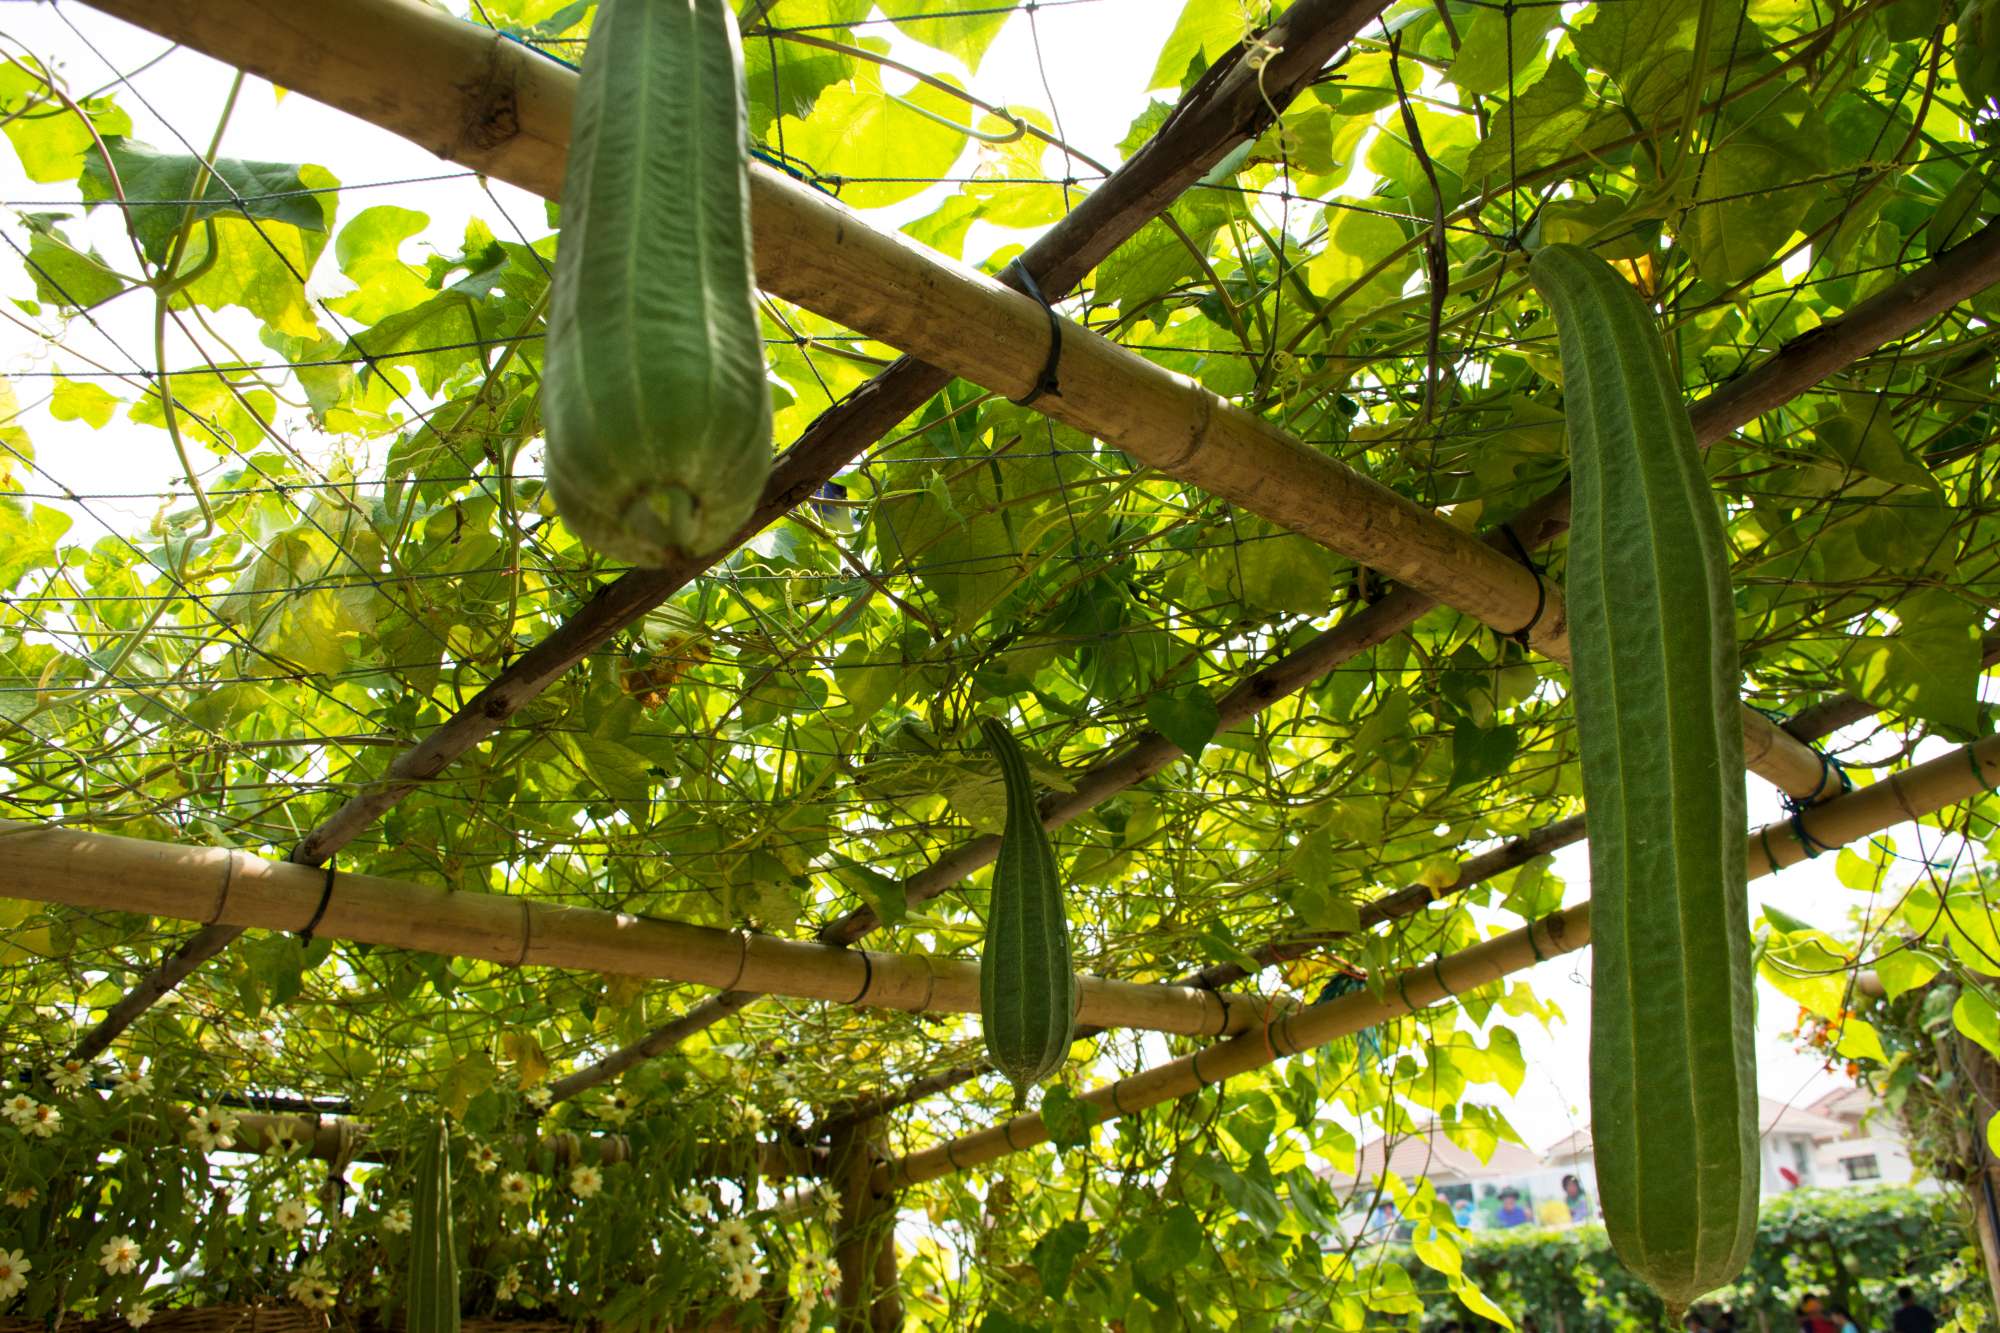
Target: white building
{"type": "Point", "coordinates": [1841, 1140]}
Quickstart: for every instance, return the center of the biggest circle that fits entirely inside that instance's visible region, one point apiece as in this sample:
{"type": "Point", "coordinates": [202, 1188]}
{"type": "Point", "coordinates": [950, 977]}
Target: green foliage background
{"type": "Point", "coordinates": [370, 542]}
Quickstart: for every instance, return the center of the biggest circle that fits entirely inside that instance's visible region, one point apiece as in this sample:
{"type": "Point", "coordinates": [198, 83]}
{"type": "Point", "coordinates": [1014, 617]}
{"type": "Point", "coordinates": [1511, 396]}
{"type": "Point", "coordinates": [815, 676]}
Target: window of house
{"type": "Point", "coordinates": [1862, 1168]}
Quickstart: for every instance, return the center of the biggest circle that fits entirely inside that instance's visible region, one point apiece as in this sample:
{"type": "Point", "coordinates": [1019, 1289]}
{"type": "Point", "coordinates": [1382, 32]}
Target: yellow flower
{"type": "Point", "coordinates": [139, 1314]}
{"type": "Point", "coordinates": [586, 1181]}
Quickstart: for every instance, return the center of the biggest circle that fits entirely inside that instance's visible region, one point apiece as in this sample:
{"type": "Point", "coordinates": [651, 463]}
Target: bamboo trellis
{"type": "Point", "coordinates": [516, 106]}
{"type": "Point", "coordinates": [1893, 312]}
{"type": "Point", "coordinates": [492, 88]}
{"type": "Point", "coordinates": [826, 260]}
{"type": "Point", "coordinates": [1910, 794]}
{"type": "Point", "coordinates": [813, 251]}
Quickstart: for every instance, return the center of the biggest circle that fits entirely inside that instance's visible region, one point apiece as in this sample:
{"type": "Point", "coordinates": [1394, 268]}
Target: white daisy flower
{"type": "Point", "coordinates": [586, 1181]}
{"type": "Point", "coordinates": [70, 1075]}
{"type": "Point", "coordinates": [696, 1204]}
{"type": "Point", "coordinates": [210, 1130]}
{"type": "Point", "coordinates": [20, 1108]}
{"type": "Point", "coordinates": [514, 1188]}
{"type": "Point", "coordinates": [750, 1120]}
{"type": "Point", "coordinates": [539, 1096]}
{"type": "Point", "coordinates": [14, 1268]}
{"type": "Point", "coordinates": [130, 1082]}
{"type": "Point", "coordinates": [23, 1197]}
{"type": "Point", "coordinates": [119, 1255]}
{"type": "Point", "coordinates": [397, 1219]}
{"type": "Point", "coordinates": [742, 1283]}
{"type": "Point", "coordinates": [292, 1214]}
{"type": "Point", "coordinates": [485, 1159]}
{"type": "Point", "coordinates": [617, 1109]}
{"type": "Point", "coordinates": [733, 1238]}
{"type": "Point", "coordinates": [311, 1289]}
{"type": "Point", "coordinates": [139, 1314]}
{"type": "Point", "coordinates": [44, 1121]}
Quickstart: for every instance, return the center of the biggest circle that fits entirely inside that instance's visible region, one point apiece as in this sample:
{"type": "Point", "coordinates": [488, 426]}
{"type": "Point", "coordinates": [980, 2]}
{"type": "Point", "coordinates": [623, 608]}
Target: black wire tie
{"type": "Point", "coordinates": [1520, 635]}
{"type": "Point", "coordinates": [1046, 382]}
{"type": "Point", "coordinates": [325, 897]}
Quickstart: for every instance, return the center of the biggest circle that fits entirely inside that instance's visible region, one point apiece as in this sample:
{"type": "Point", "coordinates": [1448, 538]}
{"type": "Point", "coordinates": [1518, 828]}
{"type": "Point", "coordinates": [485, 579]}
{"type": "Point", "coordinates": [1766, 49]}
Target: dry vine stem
{"type": "Point", "coordinates": [1910, 794]}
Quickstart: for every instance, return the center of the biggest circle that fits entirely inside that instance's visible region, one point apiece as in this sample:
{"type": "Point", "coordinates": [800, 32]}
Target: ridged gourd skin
{"type": "Point", "coordinates": [654, 399]}
{"type": "Point", "coordinates": [1673, 1080]}
{"type": "Point", "coordinates": [431, 1295]}
{"type": "Point", "coordinates": [1027, 988]}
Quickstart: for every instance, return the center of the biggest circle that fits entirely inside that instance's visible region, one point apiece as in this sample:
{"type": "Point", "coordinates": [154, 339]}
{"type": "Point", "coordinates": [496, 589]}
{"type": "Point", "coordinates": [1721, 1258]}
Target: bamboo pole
{"type": "Point", "coordinates": [1910, 794]}
{"type": "Point", "coordinates": [216, 886]}
{"type": "Point", "coordinates": [1232, 104]}
{"type": "Point", "coordinates": [813, 251]}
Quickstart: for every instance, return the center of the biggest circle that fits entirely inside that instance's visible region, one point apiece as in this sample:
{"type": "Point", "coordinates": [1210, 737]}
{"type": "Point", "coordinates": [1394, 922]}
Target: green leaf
{"type": "Point", "coordinates": [77, 400]}
{"type": "Point", "coordinates": [1485, 52]}
{"type": "Point", "coordinates": [1056, 1253]}
{"type": "Point", "coordinates": [1187, 717]}
{"type": "Point", "coordinates": [1905, 969]}
{"type": "Point", "coordinates": [1974, 1016]}
{"type": "Point", "coordinates": [1207, 28]}
{"type": "Point", "coordinates": [1741, 216]}
{"type": "Point", "coordinates": [52, 141]}
{"type": "Point", "coordinates": [298, 196]}
{"type": "Point", "coordinates": [1928, 669]}
{"type": "Point", "coordinates": [885, 151]}
{"type": "Point", "coordinates": [1067, 1118]}
{"type": "Point", "coordinates": [1477, 754]}
{"type": "Point", "coordinates": [1550, 121]}
{"type": "Point", "coordinates": [962, 35]}
{"type": "Point", "coordinates": [64, 275]}
{"type": "Point", "coordinates": [368, 251]}
{"type": "Point", "coordinates": [884, 893]}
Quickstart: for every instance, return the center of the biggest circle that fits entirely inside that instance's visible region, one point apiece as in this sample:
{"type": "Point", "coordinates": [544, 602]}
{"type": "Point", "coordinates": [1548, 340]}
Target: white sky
{"type": "Point", "coordinates": [1097, 57]}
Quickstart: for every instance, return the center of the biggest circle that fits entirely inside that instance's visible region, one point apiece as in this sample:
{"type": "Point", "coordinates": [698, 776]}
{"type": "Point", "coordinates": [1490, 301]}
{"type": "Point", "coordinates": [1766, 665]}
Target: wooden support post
{"type": "Point", "coordinates": [1982, 1167]}
{"type": "Point", "coordinates": [871, 1298]}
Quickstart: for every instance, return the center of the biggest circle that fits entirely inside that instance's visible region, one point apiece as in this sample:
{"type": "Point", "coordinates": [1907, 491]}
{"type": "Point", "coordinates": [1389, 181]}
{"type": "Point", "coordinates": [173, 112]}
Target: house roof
{"type": "Point", "coordinates": [1776, 1117]}
{"type": "Point", "coordinates": [1845, 1105]}
{"type": "Point", "coordinates": [1432, 1155]}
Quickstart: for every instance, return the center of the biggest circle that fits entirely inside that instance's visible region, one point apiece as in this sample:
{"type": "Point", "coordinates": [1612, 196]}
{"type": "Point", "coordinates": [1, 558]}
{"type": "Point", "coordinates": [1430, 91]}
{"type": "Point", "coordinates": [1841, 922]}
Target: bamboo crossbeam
{"type": "Point", "coordinates": [1911, 794]}
{"type": "Point", "coordinates": [224, 887]}
{"type": "Point", "coordinates": [1232, 104]}
{"type": "Point", "coordinates": [814, 251]}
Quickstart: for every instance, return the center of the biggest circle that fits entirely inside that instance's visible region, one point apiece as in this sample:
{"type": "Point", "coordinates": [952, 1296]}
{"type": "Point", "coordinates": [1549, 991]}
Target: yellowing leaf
{"type": "Point", "coordinates": [75, 400]}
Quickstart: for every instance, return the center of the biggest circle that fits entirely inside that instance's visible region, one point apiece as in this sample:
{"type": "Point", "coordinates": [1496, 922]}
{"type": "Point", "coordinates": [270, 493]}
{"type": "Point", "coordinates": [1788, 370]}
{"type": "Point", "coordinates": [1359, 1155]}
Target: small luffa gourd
{"type": "Point", "coordinates": [1027, 990]}
{"type": "Point", "coordinates": [653, 394]}
{"type": "Point", "coordinates": [1673, 1081]}
{"type": "Point", "coordinates": [431, 1296]}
